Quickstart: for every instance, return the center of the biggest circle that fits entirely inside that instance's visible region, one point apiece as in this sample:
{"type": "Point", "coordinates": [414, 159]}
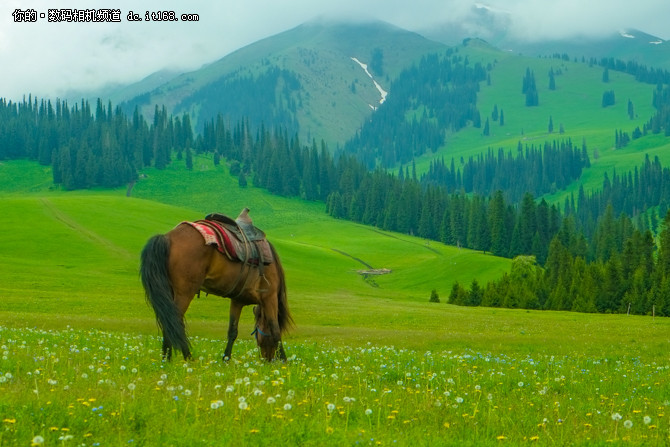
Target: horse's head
{"type": "Point", "coordinates": [266, 343]}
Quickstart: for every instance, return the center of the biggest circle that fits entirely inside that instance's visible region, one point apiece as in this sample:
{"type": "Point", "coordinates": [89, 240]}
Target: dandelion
{"type": "Point", "coordinates": [37, 440]}
{"type": "Point", "coordinates": [216, 404]}
{"type": "Point", "coordinates": [616, 417]}
{"type": "Point", "coordinates": [271, 400]}
{"type": "Point", "coordinates": [287, 407]}
{"type": "Point", "coordinates": [330, 407]}
{"type": "Point", "coordinates": [459, 400]}
{"type": "Point", "coordinates": [368, 412]}
{"type": "Point", "coordinates": [131, 386]}
{"type": "Point", "coordinates": [628, 424]}
{"type": "Point", "coordinates": [230, 389]}
{"type": "Point", "coordinates": [243, 405]}
{"type": "Point", "coordinates": [646, 420]}
{"type": "Point", "coordinates": [520, 384]}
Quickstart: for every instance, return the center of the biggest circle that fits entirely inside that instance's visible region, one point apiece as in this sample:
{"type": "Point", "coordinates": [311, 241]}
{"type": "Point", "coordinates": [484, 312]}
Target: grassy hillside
{"type": "Point", "coordinates": [78, 257]}
{"type": "Point", "coordinates": [319, 54]}
{"type": "Point", "coordinates": [576, 104]}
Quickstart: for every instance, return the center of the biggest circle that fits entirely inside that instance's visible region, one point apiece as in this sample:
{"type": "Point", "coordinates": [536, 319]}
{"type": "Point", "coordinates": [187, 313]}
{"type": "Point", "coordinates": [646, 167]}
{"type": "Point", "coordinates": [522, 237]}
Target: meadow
{"type": "Point", "coordinates": [371, 362]}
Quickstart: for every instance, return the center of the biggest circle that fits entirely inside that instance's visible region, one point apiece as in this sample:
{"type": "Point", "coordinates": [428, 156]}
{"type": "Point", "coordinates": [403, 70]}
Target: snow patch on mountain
{"type": "Point", "coordinates": [379, 88]}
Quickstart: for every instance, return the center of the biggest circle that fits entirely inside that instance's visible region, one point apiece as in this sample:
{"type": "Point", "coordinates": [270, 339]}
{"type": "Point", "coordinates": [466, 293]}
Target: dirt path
{"type": "Point", "coordinates": [66, 220]}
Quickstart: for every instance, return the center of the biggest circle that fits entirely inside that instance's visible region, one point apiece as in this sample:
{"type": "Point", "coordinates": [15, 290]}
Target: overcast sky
{"type": "Point", "coordinates": [47, 59]}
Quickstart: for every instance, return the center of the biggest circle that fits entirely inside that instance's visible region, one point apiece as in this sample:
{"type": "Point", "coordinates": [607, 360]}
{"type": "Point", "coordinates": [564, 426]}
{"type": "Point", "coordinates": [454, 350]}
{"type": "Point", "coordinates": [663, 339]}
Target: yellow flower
{"type": "Point", "coordinates": [329, 430]}
{"type": "Point", "coordinates": [254, 430]}
{"type": "Point", "coordinates": [534, 438]}
{"type": "Point", "coordinates": [9, 421]}
{"type": "Point", "coordinates": [501, 438]}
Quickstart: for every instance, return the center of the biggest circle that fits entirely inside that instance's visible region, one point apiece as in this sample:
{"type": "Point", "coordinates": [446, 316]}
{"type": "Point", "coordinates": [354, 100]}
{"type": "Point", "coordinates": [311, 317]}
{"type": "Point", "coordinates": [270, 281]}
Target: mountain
{"type": "Point", "coordinates": [321, 78]}
{"type": "Point", "coordinates": [495, 26]}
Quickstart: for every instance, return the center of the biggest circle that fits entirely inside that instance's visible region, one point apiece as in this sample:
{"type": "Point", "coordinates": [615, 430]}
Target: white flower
{"type": "Point", "coordinates": [368, 412]}
{"type": "Point", "coordinates": [271, 400]}
{"type": "Point", "coordinates": [628, 424]}
{"type": "Point", "coordinates": [647, 420]}
{"type": "Point", "coordinates": [187, 392]}
{"type": "Point", "coordinates": [216, 404]}
{"type": "Point", "coordinates": [459, 400]}
{"type": "Point", "coordinates": [243, 405]}
{"type": "Point", "coordinates": [287, 407]}
{"type": "Point", "coordinates": [616, 417]}
{"type": "Point", "coordinates": [520, 384]}
{"type": "Point", "coordinates": [38, 440]}
{"type": "Point", "coordinates": [241, 399]}
{"type": "Point", "coordinates": [330, 407]}
{"type": "Point", "coordinates": [131, 386]}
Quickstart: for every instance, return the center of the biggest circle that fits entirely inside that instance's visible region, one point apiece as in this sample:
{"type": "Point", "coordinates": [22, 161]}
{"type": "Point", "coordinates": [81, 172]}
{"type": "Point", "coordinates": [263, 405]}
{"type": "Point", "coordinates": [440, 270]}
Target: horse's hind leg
{"type": "Point", "coordinates": [235, 311]}
{"type": "Point", "coordinates": [167, 349]}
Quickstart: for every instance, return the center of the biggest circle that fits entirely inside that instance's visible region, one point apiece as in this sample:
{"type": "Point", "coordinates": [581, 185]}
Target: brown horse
{"type": "Point", "coordinates": [177, 265]}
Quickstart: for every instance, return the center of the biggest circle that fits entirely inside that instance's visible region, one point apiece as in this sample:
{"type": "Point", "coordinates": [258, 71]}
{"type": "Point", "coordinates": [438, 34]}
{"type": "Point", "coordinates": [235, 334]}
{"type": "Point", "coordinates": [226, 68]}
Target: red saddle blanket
{"type": "Point", "coordinates": [232, 244]}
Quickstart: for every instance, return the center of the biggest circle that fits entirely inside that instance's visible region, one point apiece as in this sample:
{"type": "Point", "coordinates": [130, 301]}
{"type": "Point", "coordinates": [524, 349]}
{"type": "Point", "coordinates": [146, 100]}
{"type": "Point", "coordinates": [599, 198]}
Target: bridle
{"type": "Point", "coordinates": [257, 331]}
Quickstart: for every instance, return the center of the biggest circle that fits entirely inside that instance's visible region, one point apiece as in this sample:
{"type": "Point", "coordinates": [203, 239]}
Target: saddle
{"type": "Point", "coordinates": [238, 239]}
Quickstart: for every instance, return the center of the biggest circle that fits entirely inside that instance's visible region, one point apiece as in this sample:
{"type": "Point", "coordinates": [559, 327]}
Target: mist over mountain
{"type": "Point", "coordinates": [513, 31]}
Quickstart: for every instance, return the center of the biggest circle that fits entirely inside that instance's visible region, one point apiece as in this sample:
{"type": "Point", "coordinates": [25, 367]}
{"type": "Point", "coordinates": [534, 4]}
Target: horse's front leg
{"type": "Point", "coordinates": [235, 311]}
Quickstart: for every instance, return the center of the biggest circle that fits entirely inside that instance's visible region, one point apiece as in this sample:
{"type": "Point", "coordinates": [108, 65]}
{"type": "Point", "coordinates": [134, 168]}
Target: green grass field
{"type": "Point", "coordinates": [370, 363]}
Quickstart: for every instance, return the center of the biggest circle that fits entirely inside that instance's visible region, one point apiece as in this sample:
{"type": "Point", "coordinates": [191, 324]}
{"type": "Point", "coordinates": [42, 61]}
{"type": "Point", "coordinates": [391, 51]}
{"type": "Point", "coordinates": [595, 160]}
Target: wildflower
{"type": "Point", "coordinates": [616, 417]}
{"type": "Point", "coordinates": [520, 384]}
{"type": "Point", "coordinates": [628, 424]}
{"type": "Point", "coordinates": [271, 400]}
{"type": "Point", "coordinates": [216, 404]}
{"type": "Point", "coordinates": [287, 407]}
{"type": "Point", "coordinates": [330, 407]}
{"type": "Point", "coordinates": [368, 412]}
{"type": "Point", "coordinates": [647, 420]}
{"type": "Point", "coordinates": [243, 405]}
{"type": "Point", "coordinates": [459, 400]}
{"type": "Point", "coordinates": [501, 438]}
{"type": "Point", "coordinates": [131, 386]}
{"type": "Point", "coordinates": [37, 440]}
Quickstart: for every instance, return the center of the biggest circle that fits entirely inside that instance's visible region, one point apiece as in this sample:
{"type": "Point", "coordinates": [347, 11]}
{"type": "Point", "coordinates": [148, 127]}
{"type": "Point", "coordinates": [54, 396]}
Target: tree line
{"type": "Point", "coordinates": [631, 274]}
{"type": "Point", "coordinates": [536, 169]}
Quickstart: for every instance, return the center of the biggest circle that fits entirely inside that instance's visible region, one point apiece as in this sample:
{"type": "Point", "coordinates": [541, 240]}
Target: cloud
{"type": "Point", "coordinates": [48, 59]}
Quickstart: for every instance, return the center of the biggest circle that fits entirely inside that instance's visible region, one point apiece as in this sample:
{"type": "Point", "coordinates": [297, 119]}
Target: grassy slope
{"type": "Point", "coordinates": [576, 103]}
{"type": "Point", "coordinates": [83, 268]}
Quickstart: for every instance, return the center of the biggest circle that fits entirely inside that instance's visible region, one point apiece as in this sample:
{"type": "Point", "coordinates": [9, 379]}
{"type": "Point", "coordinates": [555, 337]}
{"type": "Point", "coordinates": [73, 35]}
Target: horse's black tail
{"type": "Point", "coordinates": [156, 280]}
{"type": "Point", "coordinates": [284, 317]}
